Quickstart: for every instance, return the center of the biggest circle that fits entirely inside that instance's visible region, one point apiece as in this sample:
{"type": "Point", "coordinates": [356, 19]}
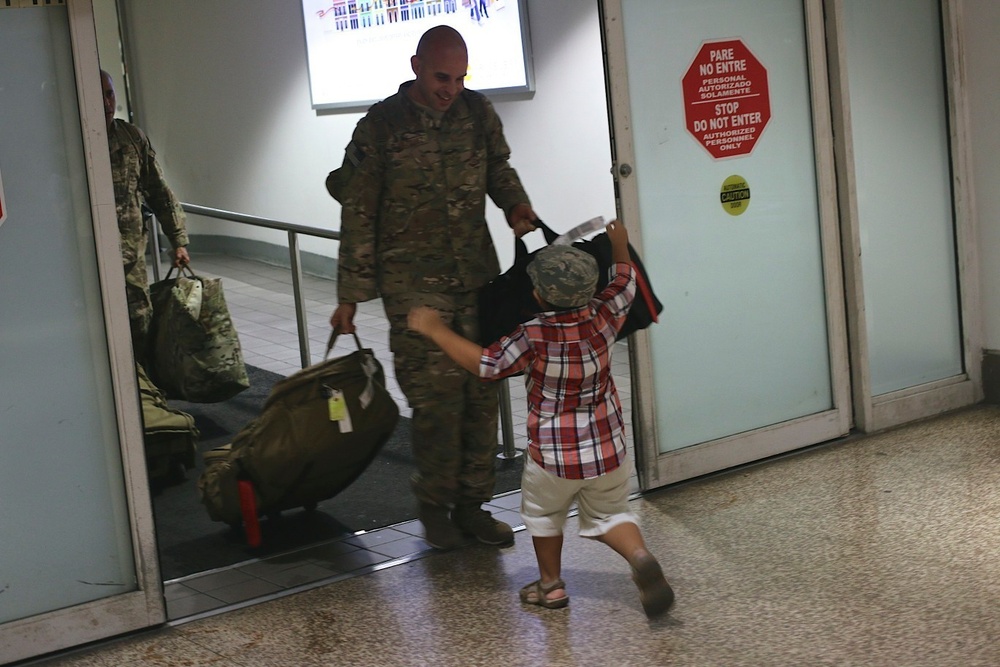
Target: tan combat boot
{"type": "Point", "coordinates": [439, 531]}
{"type": "Point", "coordinates": [475, 521]}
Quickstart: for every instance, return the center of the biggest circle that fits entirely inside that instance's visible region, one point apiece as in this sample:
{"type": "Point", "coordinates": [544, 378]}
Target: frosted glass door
{"type": "Point", "coordinates": [727, 188]}
{"type": "Point", "coordinates": [66, 533]}
{"type": "Point", "coordinates": [63, 507]}
{"type": "Point", "coordinates": [902, 162]}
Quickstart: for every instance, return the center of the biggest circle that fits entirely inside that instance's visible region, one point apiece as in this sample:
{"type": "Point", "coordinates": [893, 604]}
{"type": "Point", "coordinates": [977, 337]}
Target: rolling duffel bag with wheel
{"type": "Point", "coordinates": [317, 432]}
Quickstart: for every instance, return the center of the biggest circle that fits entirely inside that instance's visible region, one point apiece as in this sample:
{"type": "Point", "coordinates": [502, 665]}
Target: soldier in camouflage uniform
{"type": "Point", "coordinates": [413, 188]}
{"type": "Point", "coordinates": [137, 180]}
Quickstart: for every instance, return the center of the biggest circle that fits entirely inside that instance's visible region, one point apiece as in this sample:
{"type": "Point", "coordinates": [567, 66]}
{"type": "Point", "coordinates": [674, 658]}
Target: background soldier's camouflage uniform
{"type": "Point", "coordinates": [413, 188]}
{"type": "Point", "coordinates": [137, 179]}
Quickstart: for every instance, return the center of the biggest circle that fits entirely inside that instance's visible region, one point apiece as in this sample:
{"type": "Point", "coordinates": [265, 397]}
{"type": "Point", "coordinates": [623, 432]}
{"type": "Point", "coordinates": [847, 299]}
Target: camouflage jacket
{"type": "Point", "coordinates": [413, 191]}
{"type": "Point", "coordinates": [137, 179]}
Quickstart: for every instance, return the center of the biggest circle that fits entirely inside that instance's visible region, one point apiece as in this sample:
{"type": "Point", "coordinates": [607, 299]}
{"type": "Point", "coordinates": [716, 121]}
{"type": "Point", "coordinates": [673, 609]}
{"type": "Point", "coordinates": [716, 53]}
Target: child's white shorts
{"type": "Point", "coordinates": [602, 501]}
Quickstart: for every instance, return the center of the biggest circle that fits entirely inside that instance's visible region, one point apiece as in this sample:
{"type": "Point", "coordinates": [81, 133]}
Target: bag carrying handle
{"type": "Point", "coordinates": [550, 235]}
{"type": "Point", "coordinates": [521, 250]}
{"type": "Point", "coordinates": [333, 339]}
{"type": "Point", "coordinates": [180, 273]}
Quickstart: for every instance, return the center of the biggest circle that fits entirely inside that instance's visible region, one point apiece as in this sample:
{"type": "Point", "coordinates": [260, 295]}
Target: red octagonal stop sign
{"type": "Point", "coordinates": [726, 102]}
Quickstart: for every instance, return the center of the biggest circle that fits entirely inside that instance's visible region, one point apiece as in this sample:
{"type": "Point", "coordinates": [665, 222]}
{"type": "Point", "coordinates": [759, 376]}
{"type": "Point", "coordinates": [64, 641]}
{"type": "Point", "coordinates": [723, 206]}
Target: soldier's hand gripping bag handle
{"type": "Point", "coordinates": [195, 350]}
{"type": "Point", "coordinates": [332, 340]}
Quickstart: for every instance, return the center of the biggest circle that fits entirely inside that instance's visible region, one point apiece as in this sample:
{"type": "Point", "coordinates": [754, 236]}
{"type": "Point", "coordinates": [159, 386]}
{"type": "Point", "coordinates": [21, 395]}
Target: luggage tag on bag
{"type": "Point", "coordinates": [584, 228]}
{"type": "Point", "coordinates": [337, 408]}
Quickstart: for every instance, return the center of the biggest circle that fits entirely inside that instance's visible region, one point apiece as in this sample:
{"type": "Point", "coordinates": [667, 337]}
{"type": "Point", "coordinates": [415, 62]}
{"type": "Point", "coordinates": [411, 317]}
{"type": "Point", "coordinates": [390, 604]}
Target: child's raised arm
{"type": "Point", "coordinates": [463, 352]}
{"type": "Point", "coordinates": [618, 236]}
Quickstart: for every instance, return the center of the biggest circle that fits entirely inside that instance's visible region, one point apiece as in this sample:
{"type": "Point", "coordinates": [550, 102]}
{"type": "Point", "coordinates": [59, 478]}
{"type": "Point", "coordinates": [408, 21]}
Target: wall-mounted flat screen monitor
{"type": "Point", "coordinates": [359, 51]}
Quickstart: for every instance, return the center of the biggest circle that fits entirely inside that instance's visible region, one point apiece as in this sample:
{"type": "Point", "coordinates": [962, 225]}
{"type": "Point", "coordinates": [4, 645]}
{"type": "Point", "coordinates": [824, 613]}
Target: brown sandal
{"type": "Point", "coordinates": [536, 593]}
{"type": "Point", "coordinates": [654, 591]}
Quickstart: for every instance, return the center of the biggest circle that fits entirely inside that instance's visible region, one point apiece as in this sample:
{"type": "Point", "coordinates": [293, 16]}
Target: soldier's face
{"type": "Point", "coordinates": [108, 89]}
{"type": "Point", "coordinates": [440, 77]}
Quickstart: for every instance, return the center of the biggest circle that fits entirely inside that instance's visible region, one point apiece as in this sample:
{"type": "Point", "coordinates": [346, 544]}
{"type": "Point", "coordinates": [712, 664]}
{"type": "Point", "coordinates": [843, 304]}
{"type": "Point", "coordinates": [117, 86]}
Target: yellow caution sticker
{"type": "Point", "coordinates": [735, 195]}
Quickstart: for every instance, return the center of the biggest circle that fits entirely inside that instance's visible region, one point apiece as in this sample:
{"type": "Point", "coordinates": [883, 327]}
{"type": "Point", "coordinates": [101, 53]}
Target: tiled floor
{"type": "Point", "coordinates": [882, 551]}
{"type": "Point", "coordinates": [259, 297]}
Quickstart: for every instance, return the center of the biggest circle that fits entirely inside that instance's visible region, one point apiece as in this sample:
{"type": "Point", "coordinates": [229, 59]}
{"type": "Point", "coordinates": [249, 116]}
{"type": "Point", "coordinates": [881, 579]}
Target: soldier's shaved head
{"type": "Point", "coordinates": [440, 65]}
{"type": "Point", "coordinates": [440, 37]}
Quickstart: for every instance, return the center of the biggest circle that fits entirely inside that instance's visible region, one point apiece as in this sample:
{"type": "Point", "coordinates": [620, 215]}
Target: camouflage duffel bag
{"type": "Point", "coordinates": [194, 348]}
{"type": "Point", "coordinates": [318, 431]}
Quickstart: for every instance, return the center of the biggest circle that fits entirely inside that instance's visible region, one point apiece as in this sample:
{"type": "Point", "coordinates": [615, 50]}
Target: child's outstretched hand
{"type": "Point", "coordinates": [618, 236]}
{"type": "Point", "coordinates": [424, 320]}
{"type": "Point", "coordinates": [428, 322]}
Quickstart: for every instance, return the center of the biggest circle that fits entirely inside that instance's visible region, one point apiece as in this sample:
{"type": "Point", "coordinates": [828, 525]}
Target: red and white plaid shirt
{"type": "Point", "coordinates": [575, 425]}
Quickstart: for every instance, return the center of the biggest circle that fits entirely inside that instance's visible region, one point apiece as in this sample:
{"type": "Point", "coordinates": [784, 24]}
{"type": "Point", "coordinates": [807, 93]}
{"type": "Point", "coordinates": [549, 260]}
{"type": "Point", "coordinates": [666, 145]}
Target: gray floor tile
{"type": "Point", "coordinates": [207, 583]}
{"type": "Point", "coordinates": [375, 537]}
{"type": "Point", "coordinates": [410, 528]}
{"type": "Point", "coordinates": [299, 575]}
{"type": "Point", "coordinates": [245, 590]}
{"type": "Point", "coordinates": [509, 501]}
{"type": "Point", "coordinates": [192, 605]}
{"type": "Point", "coordinates": [176, 591]}
{"type": "Point", "coordinates": [349, 562]}
{"type": "Point", "coordinates": [326, 551]}
{"type": "Point", "coordinates": [409, 546]}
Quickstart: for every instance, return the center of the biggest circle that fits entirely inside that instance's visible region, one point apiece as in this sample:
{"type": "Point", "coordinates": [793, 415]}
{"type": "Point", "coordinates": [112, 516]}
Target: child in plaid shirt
{"type": "Point", "coordinates": [576, 434]}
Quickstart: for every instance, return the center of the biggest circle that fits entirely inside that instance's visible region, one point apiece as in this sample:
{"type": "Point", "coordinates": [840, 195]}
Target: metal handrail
{"type": "Point", "coordinates": [293, 230]}
{"type": "Point", "coordinates": [257, 221]}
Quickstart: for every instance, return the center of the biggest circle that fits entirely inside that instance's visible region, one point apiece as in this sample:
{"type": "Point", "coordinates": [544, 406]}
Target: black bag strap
{"type": "Point", "coordinates": [333, 339]}
{"type": "Point", "coordinates": [550, 235]}
{"type": "Point", "coordinates": [521, 254]}
{"type": "Point", "coordinates": [186, 268]}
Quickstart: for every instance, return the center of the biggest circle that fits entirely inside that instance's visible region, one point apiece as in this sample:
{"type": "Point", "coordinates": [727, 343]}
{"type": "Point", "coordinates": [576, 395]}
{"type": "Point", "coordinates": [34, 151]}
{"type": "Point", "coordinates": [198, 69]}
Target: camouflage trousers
{"type": "Point", "coordinates": [140, 309]}
{"type": "Point", "coordinates": [455, 414]}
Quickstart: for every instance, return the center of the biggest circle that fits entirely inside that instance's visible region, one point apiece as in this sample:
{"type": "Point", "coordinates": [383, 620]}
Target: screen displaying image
{"type": "Point", "coordinates": [359, 50]}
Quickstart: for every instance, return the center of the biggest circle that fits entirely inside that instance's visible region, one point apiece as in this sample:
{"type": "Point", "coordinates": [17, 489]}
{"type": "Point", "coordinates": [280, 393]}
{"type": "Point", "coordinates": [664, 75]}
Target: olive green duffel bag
{"type": "Point", "coordinates": [317, 432]}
